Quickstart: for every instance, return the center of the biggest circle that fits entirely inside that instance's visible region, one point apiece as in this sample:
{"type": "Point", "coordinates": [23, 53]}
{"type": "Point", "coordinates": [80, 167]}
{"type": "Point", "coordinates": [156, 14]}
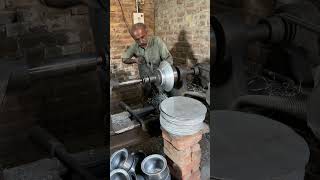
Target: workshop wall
{"type": "Point", "coordinates": [30, 30]}
{"type": "Point", "coordinates": [120, 40]}
{"type": "Point", "coordinates": [184, 26]}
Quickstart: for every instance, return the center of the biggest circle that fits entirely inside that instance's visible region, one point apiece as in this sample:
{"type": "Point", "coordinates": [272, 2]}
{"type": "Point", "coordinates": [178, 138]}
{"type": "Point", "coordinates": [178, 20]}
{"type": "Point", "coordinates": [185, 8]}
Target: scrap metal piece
{"type": "Point", "coordinates": [121, 123]}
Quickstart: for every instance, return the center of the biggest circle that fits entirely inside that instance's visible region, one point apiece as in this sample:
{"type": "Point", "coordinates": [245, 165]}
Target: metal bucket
{"type": "Point", "coordinates": [155, 167]}
{"type": "Point", "coordinates": [122, 160]}
{"type": "Point", "coordinates": [119, 174]}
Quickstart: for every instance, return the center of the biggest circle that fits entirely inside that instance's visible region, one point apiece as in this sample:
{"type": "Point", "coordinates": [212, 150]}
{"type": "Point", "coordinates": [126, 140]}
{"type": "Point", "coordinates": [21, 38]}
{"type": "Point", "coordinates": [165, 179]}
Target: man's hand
{"type": "Point", "coordinates": [139, 60]}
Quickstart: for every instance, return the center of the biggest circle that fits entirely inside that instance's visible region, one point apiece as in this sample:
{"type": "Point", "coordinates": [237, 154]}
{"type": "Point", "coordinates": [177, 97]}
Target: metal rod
{"type": "Point", "coordinates": [76, 66]}
{"type": "Point", "coordinates": [24, 77]}
{"type": "Point", "coordinates": [131, 82]}
{"type": "Point", "coordinates": [56, 148]}
{"type": "Point", "coordinates": [145, 110]}
{"type": "Point", "coordinates": [124, 106]}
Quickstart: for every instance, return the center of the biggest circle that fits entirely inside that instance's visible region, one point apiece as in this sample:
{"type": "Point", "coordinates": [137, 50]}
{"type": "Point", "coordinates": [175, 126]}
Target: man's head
{"type": "Point", "coordinates": [140, 34]}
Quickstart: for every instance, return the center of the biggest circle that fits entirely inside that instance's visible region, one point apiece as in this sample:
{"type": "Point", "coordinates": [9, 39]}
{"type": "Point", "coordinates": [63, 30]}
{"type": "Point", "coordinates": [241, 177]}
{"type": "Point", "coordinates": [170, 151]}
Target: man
{"type": "Point", "coordinates": [147, 52]}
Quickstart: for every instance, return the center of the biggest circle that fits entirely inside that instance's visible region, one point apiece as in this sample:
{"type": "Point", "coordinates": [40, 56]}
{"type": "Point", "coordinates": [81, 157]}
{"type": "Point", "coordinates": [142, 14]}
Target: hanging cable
{"type": "Point", "coordinates": [124, 18]}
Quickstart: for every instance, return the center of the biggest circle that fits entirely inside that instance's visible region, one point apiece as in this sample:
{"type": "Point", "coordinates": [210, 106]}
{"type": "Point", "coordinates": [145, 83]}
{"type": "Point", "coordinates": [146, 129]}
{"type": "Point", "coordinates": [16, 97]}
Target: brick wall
{"type": "Point", "coordinates": [120, 40]}
{"type": "Point", "coordinates": [184, 26]}
{"type": "Point", "coordinates": [30, 30]}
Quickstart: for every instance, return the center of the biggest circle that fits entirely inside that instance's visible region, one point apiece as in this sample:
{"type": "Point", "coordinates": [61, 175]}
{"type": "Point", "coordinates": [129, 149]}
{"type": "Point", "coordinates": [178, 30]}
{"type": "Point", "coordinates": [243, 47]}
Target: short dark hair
{"type": "Point", "coordinates": [137, 26]}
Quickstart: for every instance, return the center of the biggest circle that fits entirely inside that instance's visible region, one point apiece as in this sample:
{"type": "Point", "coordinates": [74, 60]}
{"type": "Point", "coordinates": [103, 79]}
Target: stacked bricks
{"type": "Point", "coordinates": [184, 155]}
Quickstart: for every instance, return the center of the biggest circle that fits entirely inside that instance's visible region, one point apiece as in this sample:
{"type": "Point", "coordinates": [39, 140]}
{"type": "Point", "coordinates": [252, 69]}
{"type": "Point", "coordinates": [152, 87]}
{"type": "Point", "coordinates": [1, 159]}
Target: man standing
{"type": "Point", "coordinates": [147, 52]}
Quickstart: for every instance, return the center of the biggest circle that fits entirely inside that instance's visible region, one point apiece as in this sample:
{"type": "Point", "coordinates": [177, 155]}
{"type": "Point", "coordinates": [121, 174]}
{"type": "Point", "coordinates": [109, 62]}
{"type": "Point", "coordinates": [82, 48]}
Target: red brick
{"type": "Point", "coordinates": [195, 148]}
{"type": "Point", "coordinates": [195, 169]}
{"type": "Point", "coordinates": [195, 175]}
{"type": "Point", "coordinates": [179, 159]}
{"type": "Point", "coordinates": [174, 151]}
{"type": "Point", "coordinates": [183, 170]}
{"type": "Point", "coordinates": [196, 153]}
{"type": "Point", "coordinates": [178, 171]}
{"type": "Point", "coordinates": [187, 177]}
{"type": "Point", "coordinates": [184, 142]}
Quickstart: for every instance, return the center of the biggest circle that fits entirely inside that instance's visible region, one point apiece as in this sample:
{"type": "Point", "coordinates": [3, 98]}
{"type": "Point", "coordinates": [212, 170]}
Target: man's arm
{"type": "Point", "coordinates": [164, 52]}
{"type": "Point", "coordinates": [128, 54]}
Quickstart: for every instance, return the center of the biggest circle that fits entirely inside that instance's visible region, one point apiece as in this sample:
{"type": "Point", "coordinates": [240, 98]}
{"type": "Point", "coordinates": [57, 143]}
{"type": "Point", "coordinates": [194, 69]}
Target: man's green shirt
{"type": "Point", "coordinates": [154, 53]}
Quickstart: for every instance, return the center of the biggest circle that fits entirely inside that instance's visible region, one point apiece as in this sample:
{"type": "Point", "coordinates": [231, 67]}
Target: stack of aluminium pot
{"type": "Point", "coordinates": [135, 166]}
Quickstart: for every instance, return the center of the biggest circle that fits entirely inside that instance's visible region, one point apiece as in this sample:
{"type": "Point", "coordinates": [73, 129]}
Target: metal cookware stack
{"type": "Point", "coordinates": [136, 166]}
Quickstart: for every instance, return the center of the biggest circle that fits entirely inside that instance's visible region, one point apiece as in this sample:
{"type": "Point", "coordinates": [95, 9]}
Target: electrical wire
{"type": "Point", "coordinates": [124, 18]}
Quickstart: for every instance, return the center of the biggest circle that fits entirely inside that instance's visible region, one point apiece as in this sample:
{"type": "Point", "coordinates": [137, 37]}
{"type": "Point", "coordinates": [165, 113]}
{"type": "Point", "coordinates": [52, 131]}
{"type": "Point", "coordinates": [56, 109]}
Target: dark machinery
{"type": "Point", "coordinates": [294, 29]}
{"type": "Point", "coordinates": [25, 76]}
{"type": "Point", "coordinates": [293, 33]}
{"type": "Point", "coordinates": [166, 76]}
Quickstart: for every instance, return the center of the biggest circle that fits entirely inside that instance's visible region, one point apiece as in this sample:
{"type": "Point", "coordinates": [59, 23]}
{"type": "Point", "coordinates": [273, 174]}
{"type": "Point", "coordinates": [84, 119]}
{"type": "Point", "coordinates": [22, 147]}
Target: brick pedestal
{"type": "Point", "coordinates": [183, 155]}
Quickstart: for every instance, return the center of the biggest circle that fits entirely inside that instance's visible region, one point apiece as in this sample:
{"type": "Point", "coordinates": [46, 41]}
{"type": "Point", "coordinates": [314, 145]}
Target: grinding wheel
{"type": "Point", "coordinates": [247, 146]}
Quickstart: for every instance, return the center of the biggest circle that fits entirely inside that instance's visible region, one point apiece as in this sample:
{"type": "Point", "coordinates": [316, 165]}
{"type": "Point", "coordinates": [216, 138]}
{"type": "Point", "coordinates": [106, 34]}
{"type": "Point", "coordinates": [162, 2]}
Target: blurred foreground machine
{"type": "Point", "coordinates": [264, 145]}
{"type": "Point", "coordinates": [61, 164]}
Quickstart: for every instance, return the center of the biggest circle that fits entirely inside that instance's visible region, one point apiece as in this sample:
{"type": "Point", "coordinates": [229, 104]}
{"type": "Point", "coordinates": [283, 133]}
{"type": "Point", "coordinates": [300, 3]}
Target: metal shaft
{"type": "Point", "coordinates": [124, 106]}
{"type": "Point", "coordinates": [57, 149]}
{"type": "Point", "coordinates": [24, 77]}
{"type": "Point", "coordinates": [129, 83]}
{"type": "Point", "coordinates": [159, 77]}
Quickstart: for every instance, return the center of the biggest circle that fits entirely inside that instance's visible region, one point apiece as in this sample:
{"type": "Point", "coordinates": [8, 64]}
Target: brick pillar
{"type": "Point", "coordinates": [183, 155]}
